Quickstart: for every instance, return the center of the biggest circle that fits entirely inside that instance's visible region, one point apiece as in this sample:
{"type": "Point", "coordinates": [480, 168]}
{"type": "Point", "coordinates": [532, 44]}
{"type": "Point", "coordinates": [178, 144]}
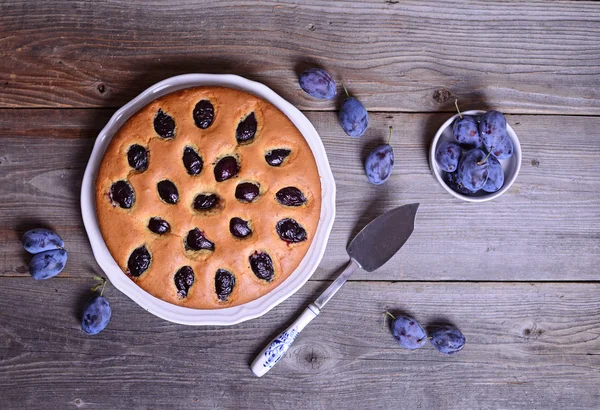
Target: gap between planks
{"type": "Point", "coordinates": [309, 111]}
{"type": "Point", "coordinates": [388, 282]}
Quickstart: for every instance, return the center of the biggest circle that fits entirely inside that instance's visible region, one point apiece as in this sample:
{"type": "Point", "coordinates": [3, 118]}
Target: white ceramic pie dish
{"type": "Point", "coordinates": [231, 315]}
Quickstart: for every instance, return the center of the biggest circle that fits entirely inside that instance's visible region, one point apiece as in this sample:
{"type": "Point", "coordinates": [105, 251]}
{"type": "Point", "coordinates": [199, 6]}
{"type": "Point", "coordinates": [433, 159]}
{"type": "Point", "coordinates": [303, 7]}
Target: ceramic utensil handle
{"type": "Point", "coordinates": [278, 346]}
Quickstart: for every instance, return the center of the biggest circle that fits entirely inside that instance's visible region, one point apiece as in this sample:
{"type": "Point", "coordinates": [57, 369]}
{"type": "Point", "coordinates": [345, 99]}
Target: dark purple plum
{"type": "Point", "coordinates": [408, 332]}
{"type": "Point", "coordinates": [353, 117]}
{"type": "Point", "coordinates": [504, 150]}
{"type": "Point", "coordinates": [290, 196]}
{"type": "Point", "coordinates": [262, 265]}
{"type": "Point", "coordinates": [48, 264]}
{"type": "Point", "coordinates": [380, 162]}
{"type": "Point", "coordinates": [139, 261]}
{"type": "Point", "coordinates": [317, 83]}
{"type": "Point", "coordinates": [205, 202]}
{"type": "Point", "coordinates": [492, 127]}
{"type": "Point", "coordinates": [492, 143]}
{"type": "Point", "coordinates": [122, 194]}
{"type": "Point", "coordinates": [473, 169]}
{"type": "Point", "coordinates": [246, 129]}
{"type": "Point", "coordinates": [137, 157]}
{"type": "Point", "coordinates": [247, 191]}
{"type": "Point", "coordinates": [96, 315]}
{"type": "Point", "coordinates": [164, 125]}
{"type": "Point", "coordinates": [239, 228]}
{"type": "Point", "coordinates": [224, 284]}
{"type": "Point", "coordinates": [466, 132]}
{"type": "Point", "coordinates": [167, 191]}
{"type": "Point", "coordinates": [158, 225]}
{"type": "Point", "coordinates": [276, 157]}
{"type": "Point", "coordinates": [225, 168]}
{"type": "Point", "coordinates": [196, 241]}
{"type": "Point", "coordinates": [203, 114]}
{"type": "Point", "coordinates": [451, 179]}
{"type": "Point", "coordinates": [495, 175]}
{"type": "Point", "coordinates": [447, 339]}
{"type": "Point", "coordinates": [448, 155]}
{"type": "Point", "coordinates": [184, 279]}
{"type": "Point", "coordinates": [192, 161]}
{"type": "Point", "coordinates": [41, 240]}
{"type": "Point", "coordinates": [290, 231]}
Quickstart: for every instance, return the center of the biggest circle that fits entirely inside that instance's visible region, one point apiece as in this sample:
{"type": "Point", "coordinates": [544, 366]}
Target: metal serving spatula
{"type": "Point", "coordinates": [373, 246]}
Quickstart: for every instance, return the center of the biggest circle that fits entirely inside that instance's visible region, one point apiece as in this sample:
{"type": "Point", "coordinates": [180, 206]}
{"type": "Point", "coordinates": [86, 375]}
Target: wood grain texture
{"type": "Point", "coordinates": [411, 56]}
{"type": "Point", "coordinates": [546, 227]}
{"type": "Point", "coordinates": [528, 346]}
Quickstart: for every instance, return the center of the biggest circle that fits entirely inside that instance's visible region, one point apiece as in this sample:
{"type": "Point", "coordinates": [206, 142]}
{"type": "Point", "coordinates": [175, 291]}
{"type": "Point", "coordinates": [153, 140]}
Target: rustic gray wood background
{"type": "Point", "coordinates": [518, 275]}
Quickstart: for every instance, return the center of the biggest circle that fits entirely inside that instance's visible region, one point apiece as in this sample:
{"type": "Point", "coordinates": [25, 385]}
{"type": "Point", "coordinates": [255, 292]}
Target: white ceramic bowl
{"type": "Point", "coordinates": [511, 166]}
{"type": "Point", "coordinates": [226, 316]}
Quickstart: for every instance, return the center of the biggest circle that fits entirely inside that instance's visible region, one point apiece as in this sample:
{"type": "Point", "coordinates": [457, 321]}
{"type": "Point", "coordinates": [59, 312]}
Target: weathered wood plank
{"type": "Point", "coordinates": [523, 57]}
{"type": "Point", "coordinates": [547, 227]}
{"type": "Point", "coordinates": [528, 346]}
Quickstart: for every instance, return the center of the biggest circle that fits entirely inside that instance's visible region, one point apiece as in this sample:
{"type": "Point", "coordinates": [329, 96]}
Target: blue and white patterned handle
{"type": "Point", "coordinates": [278, 346]}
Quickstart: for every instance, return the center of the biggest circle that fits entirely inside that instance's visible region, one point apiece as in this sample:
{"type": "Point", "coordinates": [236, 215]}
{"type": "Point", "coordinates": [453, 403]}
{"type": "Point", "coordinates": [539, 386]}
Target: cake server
{"type": "Point", "coordinates": [373, 246]}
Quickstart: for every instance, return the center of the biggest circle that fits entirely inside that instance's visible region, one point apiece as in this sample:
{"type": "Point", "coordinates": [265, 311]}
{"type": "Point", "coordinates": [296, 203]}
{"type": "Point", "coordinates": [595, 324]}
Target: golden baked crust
{"type": "Point", "coordinates": [124, 230]}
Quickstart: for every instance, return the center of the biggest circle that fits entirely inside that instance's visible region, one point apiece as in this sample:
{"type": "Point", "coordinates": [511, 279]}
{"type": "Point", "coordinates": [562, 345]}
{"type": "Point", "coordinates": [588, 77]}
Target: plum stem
{"type": "Point", "coordinates": [457, 109]}
{"type": "Point", "coordinates": [103, 285]}
{"type": "Point", "coordinates": [386, 313]}
{"type": "Point", "coordinates": [345, 90]}
{"type": "Point", "coordinates": [390, 137]}
{"type": "Point", "coordinates": [98, 285]}
{"type": "Point", "coordinates": [485, 159]}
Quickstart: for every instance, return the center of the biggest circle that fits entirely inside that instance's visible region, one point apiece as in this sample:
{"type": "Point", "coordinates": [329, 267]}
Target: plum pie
{"type": "Point", "coordinates": [208, 197]}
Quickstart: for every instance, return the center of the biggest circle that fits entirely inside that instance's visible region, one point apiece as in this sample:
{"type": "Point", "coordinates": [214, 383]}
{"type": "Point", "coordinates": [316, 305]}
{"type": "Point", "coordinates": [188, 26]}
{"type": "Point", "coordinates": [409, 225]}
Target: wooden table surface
{"type": "Point", "coordinates": [518, 275]}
